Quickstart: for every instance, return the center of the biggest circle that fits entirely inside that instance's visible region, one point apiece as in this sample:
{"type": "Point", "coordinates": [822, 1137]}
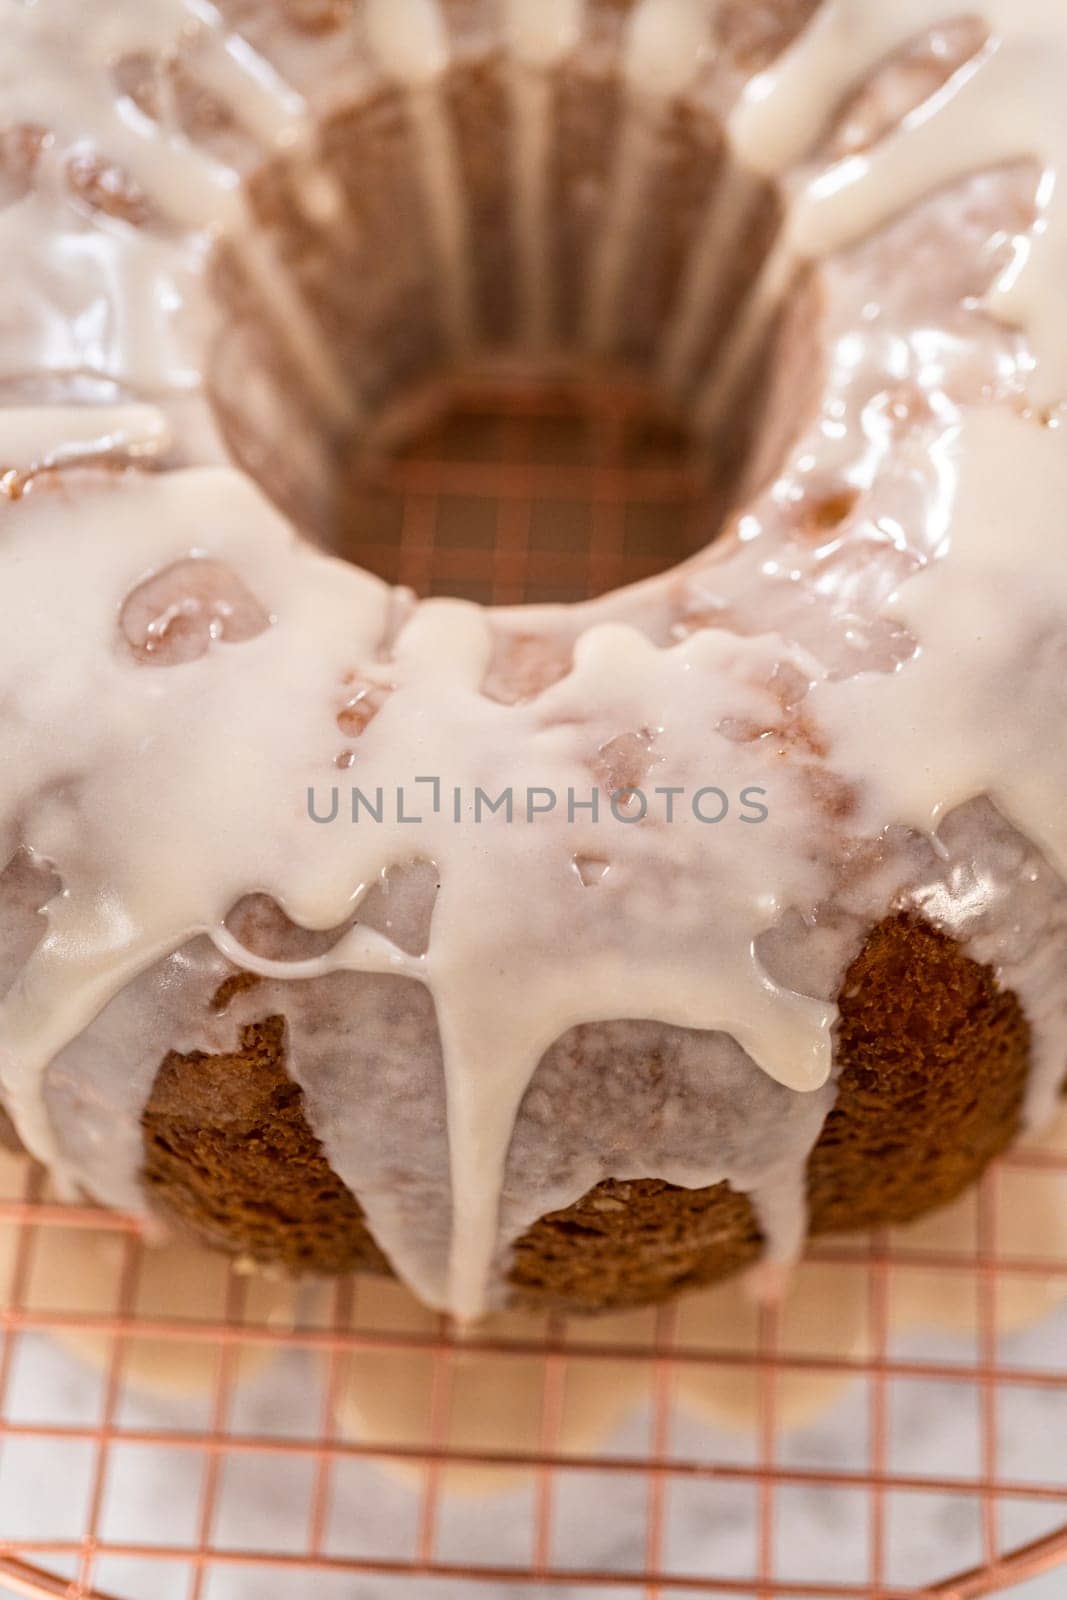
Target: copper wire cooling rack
{"type": "Point", "coordinates": [542, 496]}
{"type": "Point", "coordinates": [508, 493]}
{"type": "Point", "coordinates": [96, 1547]}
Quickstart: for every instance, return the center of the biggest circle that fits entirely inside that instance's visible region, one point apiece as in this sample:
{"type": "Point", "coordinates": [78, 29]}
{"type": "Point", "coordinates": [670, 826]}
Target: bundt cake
{"type": "Point", "coordinates": [578, 950]}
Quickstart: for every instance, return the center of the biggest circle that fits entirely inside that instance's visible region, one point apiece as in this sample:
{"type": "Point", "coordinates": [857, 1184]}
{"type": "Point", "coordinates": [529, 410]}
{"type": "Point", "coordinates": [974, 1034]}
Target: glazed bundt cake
{"type": "Point", "coordinates": [596, 941]}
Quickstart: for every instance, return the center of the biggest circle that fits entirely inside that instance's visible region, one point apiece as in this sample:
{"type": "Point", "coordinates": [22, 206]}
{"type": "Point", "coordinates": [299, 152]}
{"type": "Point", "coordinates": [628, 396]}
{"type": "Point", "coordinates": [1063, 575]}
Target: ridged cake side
{"type": "Point", "coordinates": [932, 1056]}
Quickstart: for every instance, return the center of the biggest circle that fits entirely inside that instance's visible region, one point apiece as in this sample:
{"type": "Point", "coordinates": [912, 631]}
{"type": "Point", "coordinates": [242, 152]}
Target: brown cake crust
{"type": "Point", "coordinates": [229, 1156]}
{"type": "Point", "coordinates": [935, 1058]}
{"type": "Point", "coordinates": [627, 1244]}
{"type": "Point", "coordinates": [932, 1057]}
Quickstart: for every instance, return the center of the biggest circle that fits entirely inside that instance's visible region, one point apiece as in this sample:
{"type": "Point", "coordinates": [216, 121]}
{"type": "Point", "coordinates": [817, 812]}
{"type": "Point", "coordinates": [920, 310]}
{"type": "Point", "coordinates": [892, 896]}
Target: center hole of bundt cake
{"type": "Point", "coordinates": [479, 379]}
{"type": "Point", "coordinates": [511, 491]}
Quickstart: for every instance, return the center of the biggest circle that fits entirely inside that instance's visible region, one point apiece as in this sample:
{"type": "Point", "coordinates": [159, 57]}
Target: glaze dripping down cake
{"type": "Point", "coordinates": [600, 941]}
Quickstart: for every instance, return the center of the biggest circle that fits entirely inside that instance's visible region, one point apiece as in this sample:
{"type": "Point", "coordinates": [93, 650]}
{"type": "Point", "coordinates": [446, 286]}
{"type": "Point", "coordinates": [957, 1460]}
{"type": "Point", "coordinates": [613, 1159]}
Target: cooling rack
{"type": "Point", "coordinates": [199, 1335]}
{"type": "Point", "coordinates": [506, 492]}
{"type": "Point", "coordinates": [172, 1425]}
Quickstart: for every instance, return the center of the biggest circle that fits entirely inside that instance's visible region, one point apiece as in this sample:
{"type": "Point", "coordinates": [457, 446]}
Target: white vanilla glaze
{"type": "Point", "coordinates": [45, 436]}
{"type": "Point", "coordinates": [1004, 103]}
{"type": "Point", "coordinates": [665, 42]}
{"type": "Point", "coordinates": [162, 791]}
{"type": "Point", "coordinates": [539, 37]}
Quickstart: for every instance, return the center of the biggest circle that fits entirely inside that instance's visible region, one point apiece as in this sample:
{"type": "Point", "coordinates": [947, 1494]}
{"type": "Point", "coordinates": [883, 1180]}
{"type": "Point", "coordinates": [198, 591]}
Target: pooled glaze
{"type": "Point", "coordinates": [868, 684]}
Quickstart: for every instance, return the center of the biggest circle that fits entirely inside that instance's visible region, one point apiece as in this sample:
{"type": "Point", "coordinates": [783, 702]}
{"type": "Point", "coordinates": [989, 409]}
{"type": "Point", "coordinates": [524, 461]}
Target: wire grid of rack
{"type": "Point", "coordinates": [508, 493]}
{"type": "Point", "coordinates": [366, 1321]}
{"type": "Point", "coordinates": [614, 479]}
